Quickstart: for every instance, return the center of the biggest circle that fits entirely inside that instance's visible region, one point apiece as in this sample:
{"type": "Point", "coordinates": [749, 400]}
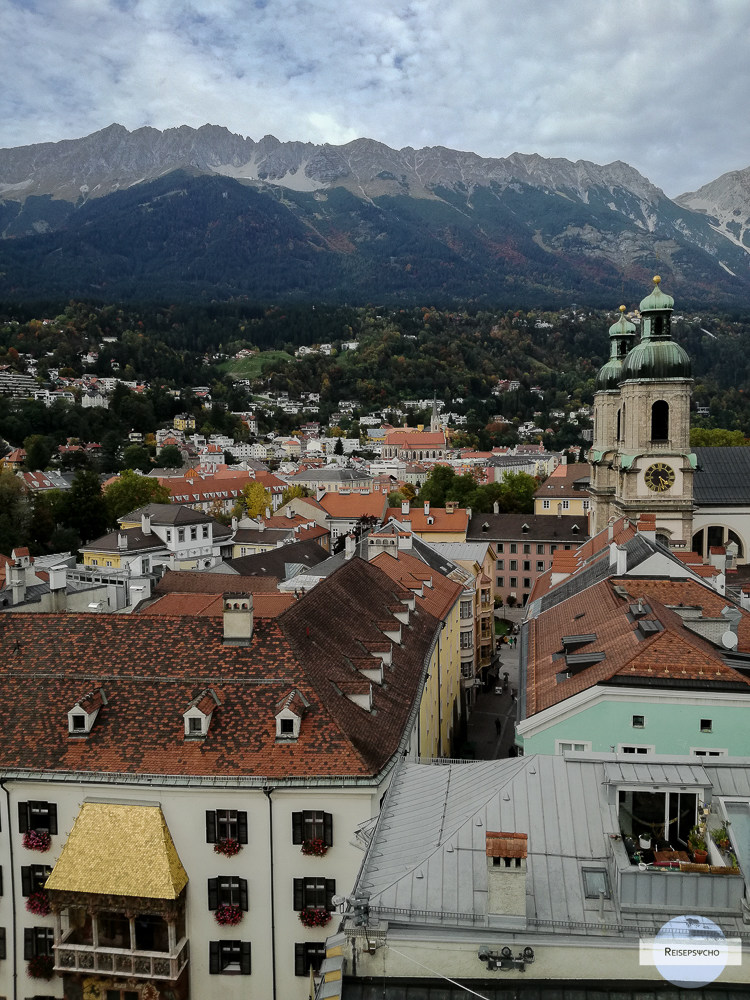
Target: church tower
{"type": "Point", "coordinates": [652, 465]}
{"type": "Point", "coordinates": [608, 423]}
{"type": "Point", "coordinates": [435, 424]}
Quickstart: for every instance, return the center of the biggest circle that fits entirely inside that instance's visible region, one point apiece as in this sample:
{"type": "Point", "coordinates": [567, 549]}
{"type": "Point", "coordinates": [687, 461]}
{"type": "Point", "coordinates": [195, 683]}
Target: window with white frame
{"type": "Point", "coordinates": [545, 504]}
{"type": "Point", "coordinates": [706, 752]}
{"type": "Point", "coordinates": [565, 746]}
{"type": "Point", "coordinates": [634, 748]}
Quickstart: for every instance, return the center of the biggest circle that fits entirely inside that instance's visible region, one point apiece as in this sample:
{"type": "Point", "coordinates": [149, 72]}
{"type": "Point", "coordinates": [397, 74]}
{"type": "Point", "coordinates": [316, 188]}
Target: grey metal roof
{"type": "Point", "coordinates": [474, 551]}
{"type": "Point", "coordinates": [427, 860]}
{"type": "Point", "coordinates": [723, 476]}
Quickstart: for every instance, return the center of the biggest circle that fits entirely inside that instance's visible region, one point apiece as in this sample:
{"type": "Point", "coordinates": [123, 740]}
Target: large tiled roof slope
{"type": "Point", "coordinates": [670, 655]}
{"type": "Point", "coordinates": [151, 667]}
{"type": "Point", "coordinates": [723, 476]}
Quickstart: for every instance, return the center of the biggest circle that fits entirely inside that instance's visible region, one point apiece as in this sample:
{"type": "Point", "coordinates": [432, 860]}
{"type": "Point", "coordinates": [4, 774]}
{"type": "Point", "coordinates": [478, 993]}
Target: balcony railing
{"type": "Point", "coordinates": [122, 961]}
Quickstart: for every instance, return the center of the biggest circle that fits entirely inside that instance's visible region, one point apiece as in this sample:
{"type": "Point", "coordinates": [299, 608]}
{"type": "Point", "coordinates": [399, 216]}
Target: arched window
{"type": "Point", "coordinates": [660, 421]}
{"type": "Point", "coordinates": [617, 436]}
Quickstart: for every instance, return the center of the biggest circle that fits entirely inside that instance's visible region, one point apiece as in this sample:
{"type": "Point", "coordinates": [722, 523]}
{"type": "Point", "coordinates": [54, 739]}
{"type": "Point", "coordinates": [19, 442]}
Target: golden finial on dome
{"type": "Point", "coordinates": [622, 309]}
{"type": "Point", "coordinates": [657, 279]}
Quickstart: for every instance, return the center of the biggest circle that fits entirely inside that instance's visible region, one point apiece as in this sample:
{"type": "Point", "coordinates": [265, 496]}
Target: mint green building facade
{"type": "Point", "coordinates": [642, 722]}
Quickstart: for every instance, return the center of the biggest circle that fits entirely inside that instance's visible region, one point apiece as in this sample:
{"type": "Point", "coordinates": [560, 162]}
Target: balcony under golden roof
{"type": "Point", "coordinates": [119, 850]}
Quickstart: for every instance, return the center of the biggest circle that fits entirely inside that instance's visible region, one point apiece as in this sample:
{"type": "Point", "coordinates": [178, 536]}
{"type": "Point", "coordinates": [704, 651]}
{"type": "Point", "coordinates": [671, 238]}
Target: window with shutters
{"type": "Point", "coordinates": [226, 824]}
{"type": "Point", "coordinates": [37, 941]}
{"type": "Point", "coordinates": [312, 825]}
{"type": "Point", "coordinates": [37, 816]}
{"type": "Point", "coordinates": [33, 878]}
{"type": "Point", "coordinates": [308, 955]}
{"type": "Point", "coordinates": [227, 890]}
{"type": "Point", "coordinates": [314, 893]}
{"type": "Point", "coordinates": [229, 957]}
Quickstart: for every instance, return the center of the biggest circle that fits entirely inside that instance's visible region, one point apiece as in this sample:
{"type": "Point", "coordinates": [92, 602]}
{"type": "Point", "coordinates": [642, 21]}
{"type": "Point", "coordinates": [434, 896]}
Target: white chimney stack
{"type": "Point", "coordinates": [405, 507]}
{"type": "Point", "coordinates": [238, 619]}
{"type": "Point", "coordinates": [349, 547]}
{"type": "Point", "coordinates": [146, 524]}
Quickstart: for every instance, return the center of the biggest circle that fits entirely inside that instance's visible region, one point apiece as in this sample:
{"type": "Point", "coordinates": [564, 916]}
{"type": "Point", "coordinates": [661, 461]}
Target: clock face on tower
{"type": "Point", "coordinates": [659, 477]}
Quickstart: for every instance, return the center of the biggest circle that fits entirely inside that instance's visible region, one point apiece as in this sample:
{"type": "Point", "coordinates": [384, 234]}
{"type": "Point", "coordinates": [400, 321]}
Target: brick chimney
{"type": "Point", "coordinates": [506, 874]}
{"type": "Point", "coordinates": [238, 619]}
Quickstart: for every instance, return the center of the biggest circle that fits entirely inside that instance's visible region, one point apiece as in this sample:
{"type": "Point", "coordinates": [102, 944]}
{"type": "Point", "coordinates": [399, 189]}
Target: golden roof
{"type": "Point", "coordinates": [122, 850]}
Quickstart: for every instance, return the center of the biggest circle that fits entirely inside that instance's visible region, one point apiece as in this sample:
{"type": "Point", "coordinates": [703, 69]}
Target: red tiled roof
{"type": "Point", "coordinates": [194, 582]}
{"type": "Point", "coordinates": [674, 653]}
{"type": "Point", "coordinates": [506, 845]}
{"type": "Point", "coordinates": [410, 572]}
{"type": "Point", "coordinates": [152, 666]}
{"type": "Point", "coordinates": [442, 520]}
{"type": "Point", "coordinates": [264, 605]}
{"type": "Point", "coordinates": [561, 482]}
{"type": "Point", "coordinates": [348, 505]}
{"type": "Point", "coordinates": [411, 439]}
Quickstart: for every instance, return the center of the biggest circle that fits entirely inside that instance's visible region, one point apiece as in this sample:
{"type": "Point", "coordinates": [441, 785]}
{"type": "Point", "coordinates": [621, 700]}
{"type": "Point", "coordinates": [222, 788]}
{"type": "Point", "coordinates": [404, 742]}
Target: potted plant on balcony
{"type": "Point", "coordinates": [38, 903]}
{"type": "Point", "coordinates": [315, 848]}
{"type": "Point", "coordinates": [227, 846]}
{"type": "Point", "coordinates": [228, 915]}
{"type": "Point", "coordinates": [644, 840]}
{"type": "Point", "coordinates": [697, 844]}
{"type": "Point", "coordinates": [37, 840]}
{"type": "Point", "coordinates": [41, 967]}
{"type": "Point", "coordinates": [721, 838]}
{"type": "Point", "coordinates": [313, 916]}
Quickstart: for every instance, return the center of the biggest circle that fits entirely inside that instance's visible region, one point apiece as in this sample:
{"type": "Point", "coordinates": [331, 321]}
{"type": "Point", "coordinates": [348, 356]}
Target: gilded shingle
{"type": "Point", "coordinates": [120, 850]}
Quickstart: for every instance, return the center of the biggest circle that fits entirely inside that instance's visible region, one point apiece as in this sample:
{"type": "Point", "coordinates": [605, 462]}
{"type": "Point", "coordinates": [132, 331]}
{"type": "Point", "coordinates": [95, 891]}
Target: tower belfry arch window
{"type": "Point", "coordinates": [660, 420]}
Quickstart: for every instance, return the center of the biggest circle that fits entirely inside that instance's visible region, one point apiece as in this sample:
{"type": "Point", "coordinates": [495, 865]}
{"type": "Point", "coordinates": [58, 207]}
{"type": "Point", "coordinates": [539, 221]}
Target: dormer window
{"type": "Point", "coordinates": [289, 712]}
{"type": "Point", "coordinates": [82, 716]}
{"type": "Point", "coordinates": [197, 716]}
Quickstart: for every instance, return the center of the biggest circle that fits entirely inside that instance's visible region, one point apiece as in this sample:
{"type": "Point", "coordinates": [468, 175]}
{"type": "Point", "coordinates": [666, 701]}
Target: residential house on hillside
{"type": "Point", "coordinates": [524, 545]}
{"type": "Point", "coordinates": [525, 877]}
{"type": "Point", "coordinates": [195, 774]}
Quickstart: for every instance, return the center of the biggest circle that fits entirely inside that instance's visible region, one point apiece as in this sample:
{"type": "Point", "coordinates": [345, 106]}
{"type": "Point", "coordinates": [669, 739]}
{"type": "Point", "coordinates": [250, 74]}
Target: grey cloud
{"type": "Point", "coordinates": [661, 86]}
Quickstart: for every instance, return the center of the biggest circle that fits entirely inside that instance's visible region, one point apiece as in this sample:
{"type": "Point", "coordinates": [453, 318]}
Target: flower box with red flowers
{"type": "Point", "coordinates": [38, 903]}
{"type": "Point", "coordinates": [228, 915]}
{"type": "Point", "coordinates": [228, 846]}
{"type": "Point", "coordinates": [314, 848]}
{"type": "Point", "coordinates": [314, 916]}
{"type": "Point", "coordinates": [41, 967]}
{"type": "Point", "coordinates": [37, 840]}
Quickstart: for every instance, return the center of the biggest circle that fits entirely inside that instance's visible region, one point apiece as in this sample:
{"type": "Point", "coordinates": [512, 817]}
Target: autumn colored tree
{"type": "Point", "coordinates": [253, 502]}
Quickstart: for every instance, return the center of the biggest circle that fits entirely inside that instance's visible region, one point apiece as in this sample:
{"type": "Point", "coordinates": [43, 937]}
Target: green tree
{"type": "Point", "coordinates": [170, 457]}
{"type": "Point", "coordinates": [717, 437]}
{"type": "Point", "coordinates": [38, 452]}
{"type": "Point", "coordinates": [136, 456]}
{"type": "Point", "coordinates": [130, 492]}
{"type": "Point", "coordinates": [83, 508]}
{"type": "Point", "coordinates": [338, 448]}
{"type": "Point", "coordinates": [15, 512]}
{"type": "Point", "coordinates": [516, 493]}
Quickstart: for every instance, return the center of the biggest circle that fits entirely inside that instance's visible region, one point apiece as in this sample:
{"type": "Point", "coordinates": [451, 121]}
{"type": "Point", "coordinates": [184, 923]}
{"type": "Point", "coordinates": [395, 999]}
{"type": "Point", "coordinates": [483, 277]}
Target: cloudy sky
{"type": "Point", "coordinates": [661, 84]}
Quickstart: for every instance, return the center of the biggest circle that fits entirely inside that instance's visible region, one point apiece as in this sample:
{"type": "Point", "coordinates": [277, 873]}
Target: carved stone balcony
{"type": "Point", "coordinates": [122, 961]}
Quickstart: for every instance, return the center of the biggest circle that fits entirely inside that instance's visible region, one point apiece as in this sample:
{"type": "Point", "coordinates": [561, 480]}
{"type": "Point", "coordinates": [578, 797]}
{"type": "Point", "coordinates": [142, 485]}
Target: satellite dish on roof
{"type": "Point", "coordinates": [729, 640]}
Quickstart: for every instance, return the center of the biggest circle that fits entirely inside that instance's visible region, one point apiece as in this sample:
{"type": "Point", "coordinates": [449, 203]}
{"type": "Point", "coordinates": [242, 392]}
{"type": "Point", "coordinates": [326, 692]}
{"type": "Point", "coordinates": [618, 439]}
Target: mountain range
{"type": "Point", "coordinates": [197, 214]}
